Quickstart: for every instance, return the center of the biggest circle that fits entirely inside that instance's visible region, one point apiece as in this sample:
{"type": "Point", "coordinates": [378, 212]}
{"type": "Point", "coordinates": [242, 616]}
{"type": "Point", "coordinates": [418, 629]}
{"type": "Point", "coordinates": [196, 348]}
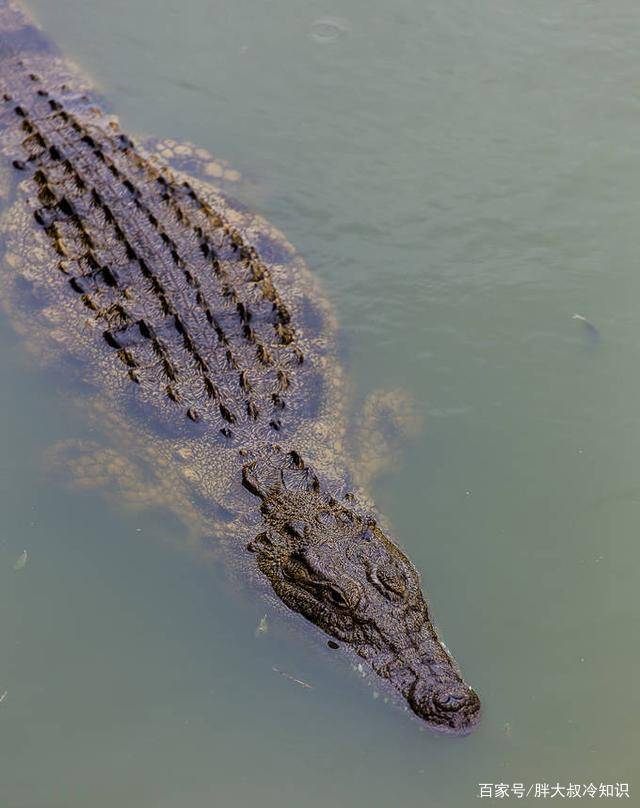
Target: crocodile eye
{"type": "Point", "coordinates": [336, 597]}
{"type": "Point", "coordinates": [296, 569]}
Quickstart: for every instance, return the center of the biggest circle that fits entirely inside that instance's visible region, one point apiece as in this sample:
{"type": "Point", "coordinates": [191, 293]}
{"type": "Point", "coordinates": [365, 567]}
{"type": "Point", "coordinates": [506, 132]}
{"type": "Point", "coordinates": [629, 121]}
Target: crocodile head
{"type": "Point", "coordinates": [331, 563]}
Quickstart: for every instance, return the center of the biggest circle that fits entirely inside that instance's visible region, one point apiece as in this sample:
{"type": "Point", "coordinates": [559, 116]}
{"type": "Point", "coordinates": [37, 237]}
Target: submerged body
{"type": "Point", "coordinates": [210, 354]}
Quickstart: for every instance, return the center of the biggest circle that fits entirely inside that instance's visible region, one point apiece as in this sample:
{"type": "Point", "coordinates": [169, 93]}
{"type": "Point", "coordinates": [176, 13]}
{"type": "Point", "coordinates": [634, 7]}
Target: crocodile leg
{"type": "Point", "coordinates": [138, 472]}
{"type": "Point", "coordinates": [125, 482]}
{"type": "Point", "coordinates": [389, 418]}
{"type": "Point", "coordinates": [191, 159]}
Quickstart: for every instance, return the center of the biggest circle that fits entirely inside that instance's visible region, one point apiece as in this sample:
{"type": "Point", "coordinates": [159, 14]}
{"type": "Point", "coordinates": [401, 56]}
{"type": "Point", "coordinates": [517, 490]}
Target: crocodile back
{"type": "Point", "coordinates": [179, 303]}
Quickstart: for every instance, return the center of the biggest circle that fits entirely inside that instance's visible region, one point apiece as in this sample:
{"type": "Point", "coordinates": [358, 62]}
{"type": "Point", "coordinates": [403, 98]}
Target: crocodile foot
{"type": "Point", "coordinates": [126, 482]}
{"type": "Point", "coordinates": [389, 418]}
{"type": "Point", "coordinates": [190, 159]}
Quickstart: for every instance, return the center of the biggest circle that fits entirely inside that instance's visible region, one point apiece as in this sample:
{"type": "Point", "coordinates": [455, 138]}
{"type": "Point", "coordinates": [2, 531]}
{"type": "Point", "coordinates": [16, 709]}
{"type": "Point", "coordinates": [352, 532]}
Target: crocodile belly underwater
{"type": "Point", "coordinates": [209, 350]}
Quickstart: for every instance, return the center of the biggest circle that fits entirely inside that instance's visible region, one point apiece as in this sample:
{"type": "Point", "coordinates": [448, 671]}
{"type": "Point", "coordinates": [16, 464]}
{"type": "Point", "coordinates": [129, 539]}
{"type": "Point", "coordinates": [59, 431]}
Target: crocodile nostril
{"type": "Point", "coordinates": [453, 707]}
{"type": "Point", "coordinates": [452, 701]}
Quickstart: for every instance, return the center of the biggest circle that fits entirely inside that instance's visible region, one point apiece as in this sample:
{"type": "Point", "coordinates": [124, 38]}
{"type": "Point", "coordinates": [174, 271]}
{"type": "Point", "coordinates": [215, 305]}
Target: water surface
{"type": "Point", "coordinates": [464, 178]}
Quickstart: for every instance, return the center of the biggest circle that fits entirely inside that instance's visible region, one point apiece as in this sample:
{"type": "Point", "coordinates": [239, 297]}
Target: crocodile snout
{"type": "Point", "coordinates": [451, 707]}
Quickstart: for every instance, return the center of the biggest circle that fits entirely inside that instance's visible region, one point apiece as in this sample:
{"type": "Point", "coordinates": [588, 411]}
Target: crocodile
{"type": "Point", "coordinates": [209, 353]}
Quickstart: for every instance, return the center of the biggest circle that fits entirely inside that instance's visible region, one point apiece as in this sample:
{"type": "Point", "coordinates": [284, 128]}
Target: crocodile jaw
{"type": "Point", "coordinates": [415, 663]}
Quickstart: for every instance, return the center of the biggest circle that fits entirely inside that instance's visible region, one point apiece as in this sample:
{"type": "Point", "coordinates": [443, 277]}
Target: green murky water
{"type": "Point", "coordinates": [464, 178]}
